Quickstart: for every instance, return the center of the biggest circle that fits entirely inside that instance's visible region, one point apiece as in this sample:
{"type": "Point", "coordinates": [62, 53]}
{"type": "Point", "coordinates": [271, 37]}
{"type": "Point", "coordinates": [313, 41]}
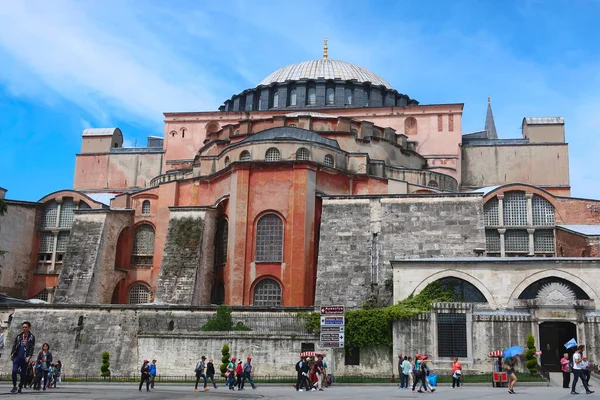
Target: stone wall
{"type": "Point", "coordinates": [17, 233]}
{"type": "Point", "coordinates": [359, 237]}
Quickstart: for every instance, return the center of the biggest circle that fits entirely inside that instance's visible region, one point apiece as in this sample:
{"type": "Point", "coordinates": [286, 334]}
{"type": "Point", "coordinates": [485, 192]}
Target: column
{"type": "Point", "coordinates": [502, 249]}
{"type": "Point", "coordinates": [531, 244]}
{"type": "Point", "coordinates": [529, 197]}
{"type": "Point", "coordinates": [500, 209]}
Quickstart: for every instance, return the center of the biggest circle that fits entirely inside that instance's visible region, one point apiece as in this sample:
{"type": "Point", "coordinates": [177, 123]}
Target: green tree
{"type": "Point", "coordinates": [222, 321]}
{"type": "Point", "coordinates": [225, 359]}
{"type": "Point", "coordinates": [104, 368]}
{"type": "Point", "coordinates": [531, 363]}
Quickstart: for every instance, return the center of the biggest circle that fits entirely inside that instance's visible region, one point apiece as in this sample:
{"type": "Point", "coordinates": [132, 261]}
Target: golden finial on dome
{"type": "Point", "coordinates": [325, 49]}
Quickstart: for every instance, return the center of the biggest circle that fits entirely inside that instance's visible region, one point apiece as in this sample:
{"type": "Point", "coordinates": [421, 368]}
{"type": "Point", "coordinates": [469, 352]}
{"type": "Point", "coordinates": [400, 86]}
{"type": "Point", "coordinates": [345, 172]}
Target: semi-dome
{"type": "Point", "coordinates": [327, 69]}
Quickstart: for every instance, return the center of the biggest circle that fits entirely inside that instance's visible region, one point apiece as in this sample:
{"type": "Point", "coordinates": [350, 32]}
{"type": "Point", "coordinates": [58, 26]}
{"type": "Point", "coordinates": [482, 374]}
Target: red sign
{"type": "Point", "coordinates": [332, 310]}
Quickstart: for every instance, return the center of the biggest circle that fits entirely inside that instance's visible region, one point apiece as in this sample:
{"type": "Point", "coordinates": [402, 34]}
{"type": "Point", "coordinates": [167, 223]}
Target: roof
{"type": "Point", "coordinates": [327, 69]}
{"type": "Point", "coordinates": [544, 120]}
{"type": "Point", "coordinates": [486, 190]}
{"type": "Point", "coordinates": [309, 114]}
{"type": "Point", "coordinates": [100, 131]}
{"type": "Point", "coordinates": [103, 198]}
{"type": "Point", "coordinates": [490, 125]}
{"type": "Point", "coordinates": [585, 230]}
{"type": "Point", "coordinates": [290, 133]}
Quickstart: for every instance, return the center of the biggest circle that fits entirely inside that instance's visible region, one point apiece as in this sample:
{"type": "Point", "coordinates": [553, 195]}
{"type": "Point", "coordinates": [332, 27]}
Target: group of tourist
{"type": "Point", "coordinates": [148, 372]}
{"type": "Point", "coordinates": [418, 370]}
{"type": "Point", "coordinates": [39, 373]}
{"type": "Point", "coordinates": [311, 374]}
{"type": "Point", "coordinates": [580, 367]}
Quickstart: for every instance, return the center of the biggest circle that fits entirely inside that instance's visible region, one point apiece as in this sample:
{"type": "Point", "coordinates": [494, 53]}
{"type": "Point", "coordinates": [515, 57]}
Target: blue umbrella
{"type": "Point", "coordinates": [512, 351]}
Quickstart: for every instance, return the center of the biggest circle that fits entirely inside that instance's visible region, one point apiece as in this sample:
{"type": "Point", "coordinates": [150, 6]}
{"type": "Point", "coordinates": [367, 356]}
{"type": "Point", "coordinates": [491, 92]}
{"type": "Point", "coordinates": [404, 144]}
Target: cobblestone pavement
{"type": "Point", "coordinates": [129, 391]}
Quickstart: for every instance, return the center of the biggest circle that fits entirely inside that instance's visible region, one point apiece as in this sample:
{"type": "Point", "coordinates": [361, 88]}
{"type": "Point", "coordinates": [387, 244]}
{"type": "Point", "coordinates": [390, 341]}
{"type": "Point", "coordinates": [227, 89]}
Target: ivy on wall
{"type": "Point", "coordinates": [372, 327]}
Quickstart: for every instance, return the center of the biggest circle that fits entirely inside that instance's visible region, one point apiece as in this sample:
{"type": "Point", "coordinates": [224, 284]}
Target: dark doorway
{"type": "Point", "coordinates": [553, 336]}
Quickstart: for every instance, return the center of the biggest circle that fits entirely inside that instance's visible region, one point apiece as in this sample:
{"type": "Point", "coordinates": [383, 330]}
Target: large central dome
{"type": "Point", "coordinates": [327, 69]}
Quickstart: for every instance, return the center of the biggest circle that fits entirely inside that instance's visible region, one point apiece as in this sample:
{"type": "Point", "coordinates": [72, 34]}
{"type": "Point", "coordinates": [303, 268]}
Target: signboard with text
{"type": "Point", "coordinates": [332, 326]}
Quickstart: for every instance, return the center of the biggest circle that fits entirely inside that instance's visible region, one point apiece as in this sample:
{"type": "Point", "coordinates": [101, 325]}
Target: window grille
{"type": "Point", "coordinates": [490, 213]}
{"type": "Point", "coordinates": [269, 239]}
{"type": "Point", "coordinates": [221, 245]}
{"type": "Point", "coordinates": [227, 161]}
{"type": "Point", "coordinates": [366, 98]}
{"type": "Point", "coordinates": [272, 155]}
{"type": "Point", "coordinates": [452, 334]}
{"type": "Point", "coordinates": [302, 154]}
{"type": "Point", "coordinates": [543, 240]}
{"type": "Point", "coordinates": [143, 245]}
{"type": "Point", "coordinates": [49, 215]}
{"type": "Point", "coordinates": [348, 97]}
{"type": "Point", "coordinates": [47, 242]}
{"type": "Point", "coordinates": [62, 242]}
{"type": "Point", "coordinates": [293, 93]}
{"type": "Point", "coordinates": [43, 295]}
{"type": "Point", "coordinates": [139, 294]}
{"type": "Point", "coordinates": [330, 97]}
{"type": "Point", "coordinates": [492, 241]}
{"type": "Point", "coordinates": [543, 212]}
{"type": "Point", "coordinates": [515, 209]}
{"type": "Point", "coordinates": [351, 356]}
{"type": "Point", "coordinates": [245, 156]}
{"type": "Point", "coordinates": [267, 293]}
{"type": "Point", "coordinates": [276, 99]}
{"type": "Point", "coordinates": [328, 161]}
{"type": "Point", "coordinates": [312, 96]}
{"type": "Point", "coordinates": [516, 241]}
{"type": "Point", "coordinates": [146, 207]}
{"type": "Point", "coordinates": [66, 213]}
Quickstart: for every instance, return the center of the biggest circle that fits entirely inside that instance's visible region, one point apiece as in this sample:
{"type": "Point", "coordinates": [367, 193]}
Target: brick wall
{"type": "Point", "coordinates": [569, 244]}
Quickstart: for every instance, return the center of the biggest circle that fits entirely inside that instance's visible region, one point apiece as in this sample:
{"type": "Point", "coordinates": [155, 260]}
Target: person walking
{"type": "Point", "coordinates": [200, 373]}
{"type": "Point", "coordinates": [299, 379]}
{"type": "Point", "coordinates": [145, 375]}
{"type": "Point", "coordinates": [210, 372]}
{"type": "Point", "coordinates": [400, 374]}
{"type": "Point", "coordinates": [230, 374]}
{"type": "Point", "coordinates": [44, 359]}
{"type": "Point", "coordinates": [510, 368]}
{"type": "Point", "coordinates": [57, 374]}
{"type": "Point", "coordinates": [152, 368]}
{"type": "Point", "coordinates": [320, 372]}
{"type": "Point", "coordinates": [577, 371]}
{"type": "Point", "coordinates": [419, 375]}
{"type": "Point", "coordinates": [405, 368]}
{"type": "Point", "coordinates": [456, 372]}
{"type": "Point", "coordinates": [566, 370]}
{"type": "Point", "coordinates": [22, 351]}
{"type": "Point", "coordinates": [247, 373]}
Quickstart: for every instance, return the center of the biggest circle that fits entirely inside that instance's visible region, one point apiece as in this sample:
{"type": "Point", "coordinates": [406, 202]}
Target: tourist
{"type": "Point", "coordinates": [210, 372]}
{"type": "Point", "coordinates": [50, 376]}
{"type": "Point", "coordinates": [411, 372]}
{"type": "Point", "coordinates": [21, 353]}
{"type": "Point", "coordinates": [57, 373]}
{"type": "Point", "coordinates": [200, 369]}
{"type": "Point", "coordinates": [319, 372]}
{"type": "Point", "coordinates": [566, 370]}
{"type": "Point", "coordinates": [585, 370]}
{"type": "Point", "coordinates": [300, 377]}
{"type": "Point", "coordinates": [426, 366]}
{"type": "Point", "coordinates": [456, 372]}
{"type": "Point", "coordinates": [577, 371]}
{"type": "Point", "coordinates": [44, 360]}
{"type": "Point", "coordinates": [152, 373]}
{"type": "Point", "coordinates": [145, 371]}
{"type": "Point", "coordinates": [239, 371]}
{"type": "Point", "coordinates": [230, 374]}
{"type": "Point", "coordinates": [405, 369]}
{"type": "Point", "coordinates": [419, 374]}
{"type": "Point", "coordinates": [305, 371]}
{"type": "Point", "coordinates": [400, 361]}
{"type": "Point", "coordinates": [510, 368]}
{"type": "Point", "coordinates": [247, 373]}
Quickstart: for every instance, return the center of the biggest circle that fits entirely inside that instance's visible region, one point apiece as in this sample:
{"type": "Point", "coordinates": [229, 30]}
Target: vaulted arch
{"type": "Point", "coordinates": [451, 273]}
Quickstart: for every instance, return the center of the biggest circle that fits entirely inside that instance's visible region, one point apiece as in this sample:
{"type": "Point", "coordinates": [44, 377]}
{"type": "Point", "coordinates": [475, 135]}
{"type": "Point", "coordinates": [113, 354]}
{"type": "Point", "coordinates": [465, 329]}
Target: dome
{"type": "Point", "coordinates": [327, 69]}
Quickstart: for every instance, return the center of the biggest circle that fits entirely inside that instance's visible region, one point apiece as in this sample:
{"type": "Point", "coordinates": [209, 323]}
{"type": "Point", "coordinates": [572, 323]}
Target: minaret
{"type": "Point", "coordinates": [490, 125]}
{"type": "Point", "coordinates": [325, 49]}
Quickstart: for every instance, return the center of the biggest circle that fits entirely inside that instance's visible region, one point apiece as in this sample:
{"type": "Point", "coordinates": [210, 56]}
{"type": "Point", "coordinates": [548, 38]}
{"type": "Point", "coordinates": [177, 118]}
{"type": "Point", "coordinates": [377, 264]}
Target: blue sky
{"type": "Point", "coordinates": [69, 65]}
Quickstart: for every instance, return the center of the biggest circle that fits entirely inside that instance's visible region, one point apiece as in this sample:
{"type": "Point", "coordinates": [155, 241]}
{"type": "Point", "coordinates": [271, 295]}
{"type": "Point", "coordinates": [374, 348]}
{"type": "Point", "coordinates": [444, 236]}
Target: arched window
{"type": "Point", "coordinates": [328, 161]}
{"type": "Point", "coordinates": [260, 102]}
{"type": "Point", "coordinates": [276, 99]}
{"type": "Point", "coordinates": [515, 209]}
{"type": "Point", "coordinates": [462, 290]}
{"type": "Point", "coordinates": [146, 207]}
{"type": "Point", "coordinates": [143, 245]}
{"type": "Point", "coordinates": [221, 243]}
{"type": "Point", "coordinates": [173, 133]}
{"type": "Point", "coordinates": [302, 154]}
{"type": "Point", "coordinates": [43, 295]}
{"type": "Point", "coordinates": [49, 215]}
{"type": "Point", "coordinates": [67, 214]}
{"type": "Point", "coordinates": [267, 293]}
{"type": "Point", "coordinates": [227, 161]}
{"type": "Point", "coordinates": [329, 96]}
{"type": "Point", "coordinates": [312, 96]}
{"type": "Point", "coordinates": [293, 94]}
{"type": "Point", "coordinates": [269, 239]}
{"type": "Point", "coordinates": [554, 288]}
{"type": "Point", "coordinates": [410, 126]}
{"type": "Point", "coordinates": [245, 156]}
{"type": "Point", "coordinates": [432, 183]}
{"type": "Point", "coordinates": [348, 97]}
{"type": "Point", "coordinates": [543, 211]}
{"type": "Point", "coordinates": [272, 155]}
{"type": "Point", "coordinates": [490, 213]}
{"type": "Point", "coordinates": [139, 294]}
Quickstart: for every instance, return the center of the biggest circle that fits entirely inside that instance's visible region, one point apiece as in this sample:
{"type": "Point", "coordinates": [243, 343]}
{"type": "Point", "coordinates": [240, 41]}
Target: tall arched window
{"type": "Point", "coordinates": [67, 214]}
{"type": "Point", "coordinates": [267, 293]}
{"type": "Point", "coordinates": [269, 239]}
{"type": "Point", "coordinates": [146, 207]}
{"type": "Point", "coordinates": [139, 294]}
{"type": "Point", "coordinates": [410, 126]}
{"type": "Point", "coordinates": [221, 243]}
{"type": "Point", "coordinates": [312, 96]}
{"type": "Point", "coordinates": [143, 245]}
{"type": "Point", "coordinates": [515, 209]}
{"type": "Point", "coordinates": [302, 154]}
{"type": "Point", "coordinates": [245, 156]}
{"type": "Point", "coordinates": [276, 99]}
{"type": "Point", "coordinates": [328, 161]}
{"type": "Point", "coordinates": [293, 94]}
{"type": "Point", "coordinates": [348, 97]}
{"type": "Point", "coordinates": [227, 161]}
{"type": "Point", "coordinates": [49, 215]}
{"type": "Point", "coordinates": [543, 212]}
{"type": "Point", "coordinates": [272, 155]}
{"type": "Point", "coordinates": [329, 97]}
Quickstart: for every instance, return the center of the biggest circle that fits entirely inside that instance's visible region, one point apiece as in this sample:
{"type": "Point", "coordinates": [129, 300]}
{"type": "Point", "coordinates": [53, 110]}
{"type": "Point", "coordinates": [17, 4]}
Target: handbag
{"type": "Point", "coordinates": [227, 374]}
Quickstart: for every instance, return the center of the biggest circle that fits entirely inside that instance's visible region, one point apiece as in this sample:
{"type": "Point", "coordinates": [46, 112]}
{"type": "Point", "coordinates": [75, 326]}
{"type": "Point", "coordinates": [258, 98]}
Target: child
{"type": "Point", "coordinates": [50, 375]}
{"type": "Point", "coordinates": [57, 373]}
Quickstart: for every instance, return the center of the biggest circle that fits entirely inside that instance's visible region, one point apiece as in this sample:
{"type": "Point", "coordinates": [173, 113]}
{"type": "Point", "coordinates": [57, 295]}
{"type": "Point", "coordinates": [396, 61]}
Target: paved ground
{"type": "Point", "coordinates": [123, 391]}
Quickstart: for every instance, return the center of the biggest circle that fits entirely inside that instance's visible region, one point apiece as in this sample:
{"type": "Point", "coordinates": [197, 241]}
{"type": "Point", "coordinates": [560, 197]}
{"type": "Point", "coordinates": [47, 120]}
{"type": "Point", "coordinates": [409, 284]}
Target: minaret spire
{"type": "Point", "coordinates": [325, 49]}
{"type": "Point", "coordinates": [490, 125]}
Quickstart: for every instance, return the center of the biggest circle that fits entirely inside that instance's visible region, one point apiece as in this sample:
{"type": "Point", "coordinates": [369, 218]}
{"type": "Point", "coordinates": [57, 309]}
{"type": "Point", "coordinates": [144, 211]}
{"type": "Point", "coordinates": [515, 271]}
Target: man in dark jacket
{"type": "Point", "coordinates": [20, 354]}
{"type": "Point", "coordinates": [300, 379]}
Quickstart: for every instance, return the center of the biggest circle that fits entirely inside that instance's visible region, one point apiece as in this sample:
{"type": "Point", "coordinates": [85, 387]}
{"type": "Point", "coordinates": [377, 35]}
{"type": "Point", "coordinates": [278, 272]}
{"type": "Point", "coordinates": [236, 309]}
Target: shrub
{"type": "Point", "coordinates": [531, 362]}
{"type": "Point", "coordinates": [225, 359]}
{"type": "Point", "coordinates": [104, 368]}
{"type": "Point", "coordinates": [222, 321]}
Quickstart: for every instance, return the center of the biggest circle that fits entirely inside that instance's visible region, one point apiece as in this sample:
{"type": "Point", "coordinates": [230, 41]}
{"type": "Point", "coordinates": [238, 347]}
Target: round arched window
{"type": "Point", "coordinates": [302, 154]}
{"type": "Point", "coordinates": [272, 155]}
{"type": "Point", "coordinates": [227, 161]}
{"type": "Point", "coordinates": [267, 293]}
{"type": "Point", "coordinates": [139, 294]}
{"type": "Point", "coordinates": [146, 207]}
{"type": "Point", "coordinates": [328, 161]}
{"type": "Point", "coordinates": [245, 156]}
